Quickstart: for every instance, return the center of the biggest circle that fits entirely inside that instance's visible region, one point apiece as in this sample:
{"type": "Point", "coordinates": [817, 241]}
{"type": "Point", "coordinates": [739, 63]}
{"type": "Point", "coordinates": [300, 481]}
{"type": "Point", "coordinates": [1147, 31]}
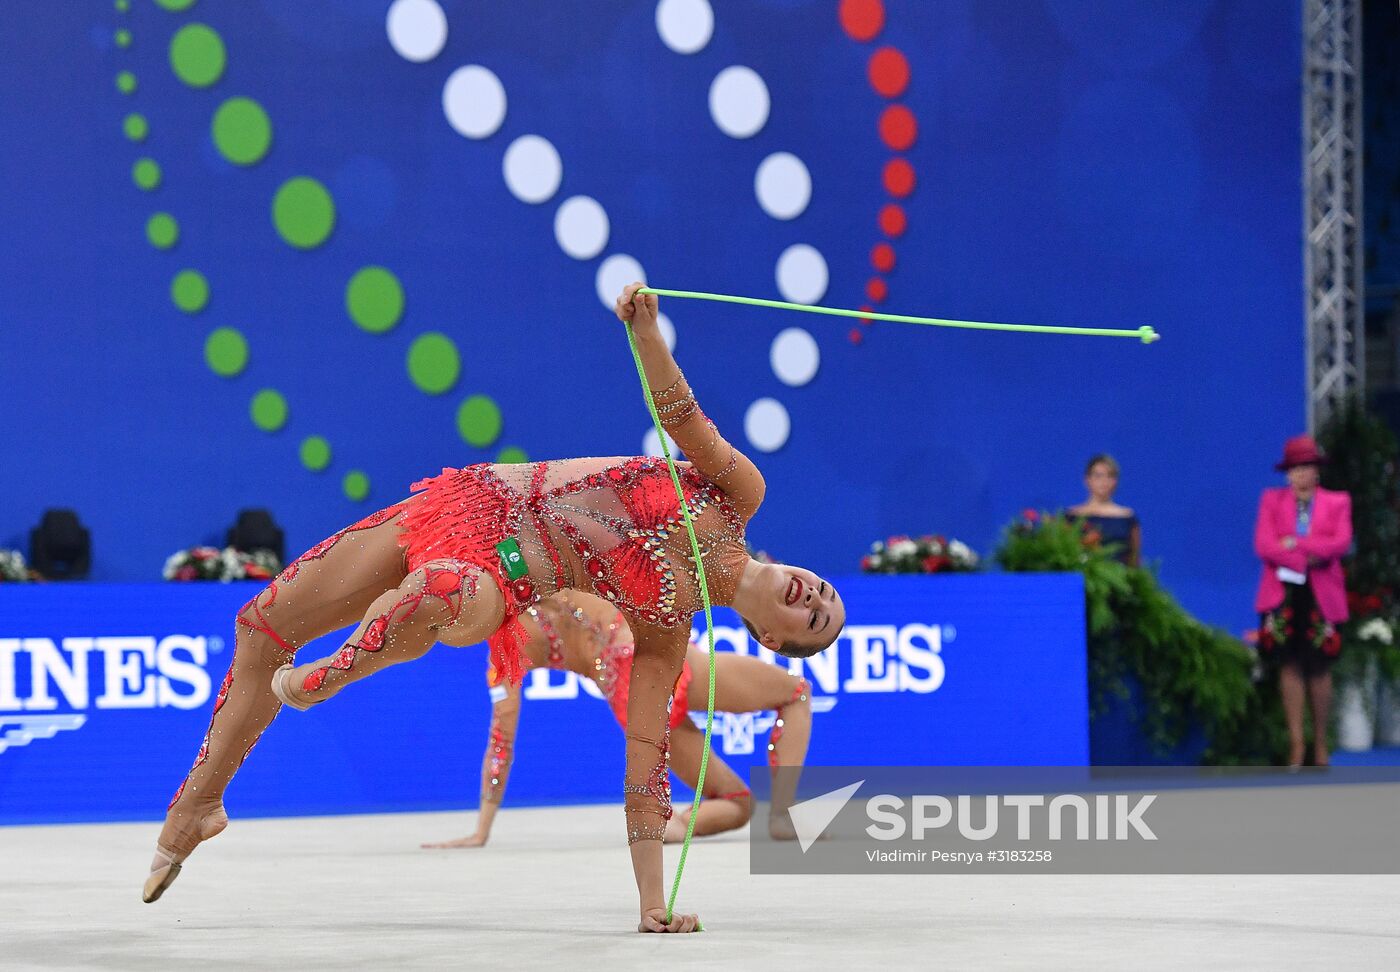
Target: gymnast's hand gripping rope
{"type": "Point", "coordinates": [1145, 334]}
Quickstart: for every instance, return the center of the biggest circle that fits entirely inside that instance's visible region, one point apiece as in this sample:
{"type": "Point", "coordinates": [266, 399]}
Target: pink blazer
{"type": "Point", "coordinates": [1318, 554]}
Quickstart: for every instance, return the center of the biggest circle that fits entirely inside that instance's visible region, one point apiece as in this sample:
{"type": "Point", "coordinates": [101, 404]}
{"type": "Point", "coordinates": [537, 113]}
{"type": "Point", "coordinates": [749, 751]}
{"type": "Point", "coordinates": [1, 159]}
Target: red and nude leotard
{"type": "Point", "coordinates": [612, 526]}
{"type": "Point", "coordinates": [606, 659]}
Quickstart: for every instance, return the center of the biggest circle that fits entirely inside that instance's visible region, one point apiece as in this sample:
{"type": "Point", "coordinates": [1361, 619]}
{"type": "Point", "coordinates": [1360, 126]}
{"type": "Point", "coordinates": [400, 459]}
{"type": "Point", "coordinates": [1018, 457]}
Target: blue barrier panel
{"type": "Point", "coordinates": [105, 694]}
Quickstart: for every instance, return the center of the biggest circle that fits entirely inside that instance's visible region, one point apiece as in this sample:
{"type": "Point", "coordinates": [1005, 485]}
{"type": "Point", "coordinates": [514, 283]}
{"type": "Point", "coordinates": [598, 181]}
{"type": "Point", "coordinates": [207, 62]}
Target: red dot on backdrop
{"type": "Point", "coordinates": [869, 310]}
{"type": "Point", "coordinates": [892, 221]}
{"type": "Point", "coordinates": [876, 290]}
{"type": "Point", "coordinates": [882, 257]}
{"type": "Point", "coordinates": [862, 19]}
{"type": "Point", "coordinates": [889, 72]}
{"type": "Point", "coordinates": [898, 128]}
{"type": "Point", "coordinates": [899, 178]}
{"type": "Point", "coordinates": [856, 336]}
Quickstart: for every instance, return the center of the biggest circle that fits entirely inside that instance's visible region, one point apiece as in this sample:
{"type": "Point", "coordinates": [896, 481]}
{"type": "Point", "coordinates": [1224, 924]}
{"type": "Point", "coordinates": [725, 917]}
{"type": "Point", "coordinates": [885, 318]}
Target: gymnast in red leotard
{"type": "Point", "coordinates": [588, 636]}
{"type": "Point", "coordinates": [470, 551]}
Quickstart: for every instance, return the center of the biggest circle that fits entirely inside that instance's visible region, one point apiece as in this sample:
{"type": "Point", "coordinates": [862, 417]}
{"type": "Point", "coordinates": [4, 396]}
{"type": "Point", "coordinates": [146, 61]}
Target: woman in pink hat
{"type": "Point", "coordinates": [1301, 535]}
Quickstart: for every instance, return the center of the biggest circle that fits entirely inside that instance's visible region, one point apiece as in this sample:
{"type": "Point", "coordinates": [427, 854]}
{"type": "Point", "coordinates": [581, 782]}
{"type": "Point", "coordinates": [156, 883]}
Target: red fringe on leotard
{"type": "Point", "coordinates": [461, 515]}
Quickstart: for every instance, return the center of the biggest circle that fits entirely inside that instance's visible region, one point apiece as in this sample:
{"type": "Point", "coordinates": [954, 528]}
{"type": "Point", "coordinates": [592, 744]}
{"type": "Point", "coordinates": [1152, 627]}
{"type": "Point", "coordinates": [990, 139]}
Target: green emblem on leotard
{"type": "Point", "coordinates": [512, 560]}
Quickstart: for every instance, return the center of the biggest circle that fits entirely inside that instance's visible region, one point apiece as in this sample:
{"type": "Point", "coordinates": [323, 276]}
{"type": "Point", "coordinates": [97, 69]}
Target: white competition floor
{"type": "Point", "coordinates": [554, 890]}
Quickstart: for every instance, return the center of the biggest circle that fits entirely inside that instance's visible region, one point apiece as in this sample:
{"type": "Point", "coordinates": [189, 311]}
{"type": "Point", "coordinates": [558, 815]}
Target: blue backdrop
{"type": "Point", "coordinates": [1071, 164]}
{"type": "Point", "coordinates": [106, 690]}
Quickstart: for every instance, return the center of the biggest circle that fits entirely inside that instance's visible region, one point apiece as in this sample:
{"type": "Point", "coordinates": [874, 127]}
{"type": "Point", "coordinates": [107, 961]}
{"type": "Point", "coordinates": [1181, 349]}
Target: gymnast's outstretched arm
{"type": "Point", "coordinates": [660, 653]}
{"type": "Point", "coordinates": [495, 764]}
{"type": "Point", "coordinates": [709, 452]}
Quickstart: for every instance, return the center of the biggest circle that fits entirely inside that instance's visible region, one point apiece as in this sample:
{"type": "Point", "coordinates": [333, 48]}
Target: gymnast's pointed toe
{"type": "Point", "coordinates": [164, 870]}
{"type": "Point", "coordinates": [282, 688]}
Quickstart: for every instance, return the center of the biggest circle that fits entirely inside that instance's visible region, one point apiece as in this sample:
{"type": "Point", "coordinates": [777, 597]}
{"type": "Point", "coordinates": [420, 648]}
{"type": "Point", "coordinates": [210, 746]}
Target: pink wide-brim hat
{"type": "Point", "coordinates": [1301, 450]}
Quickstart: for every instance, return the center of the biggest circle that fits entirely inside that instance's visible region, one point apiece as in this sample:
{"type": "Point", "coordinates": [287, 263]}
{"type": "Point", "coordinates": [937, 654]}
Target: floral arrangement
{"type": "Point", "coordinates": [1187, 674]}
{"type": "Point", "coordinates": [924, 555]}
{"type": "Point", "coordinates": [213, 564]}
{"type": "Point", "coordinates": [12, 566]}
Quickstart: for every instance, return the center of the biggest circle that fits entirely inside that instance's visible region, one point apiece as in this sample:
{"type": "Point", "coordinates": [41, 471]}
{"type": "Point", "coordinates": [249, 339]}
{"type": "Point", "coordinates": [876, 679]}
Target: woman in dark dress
{"type": "Point", "coordinates": [1116, 526]}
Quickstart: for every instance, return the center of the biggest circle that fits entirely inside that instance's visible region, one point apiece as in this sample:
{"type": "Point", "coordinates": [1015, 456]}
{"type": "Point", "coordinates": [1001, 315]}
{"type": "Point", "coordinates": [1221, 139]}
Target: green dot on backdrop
{"type": "Point", "coordinates": [512, 454]}
{"type": "Point", "coordinates": [479, 421]}
{"type": "Point", "coordinates": [146, 174]}
{"type": "Point", "coordinates": [356, 485]}
{"type": "Point", "coordinates": [226, 352]}
{"type": "Point", "coordinates": [269, 410]}
{"type": "Point", "coordinates": [315, 453]}
{"type": "Point", "coordinates": [197, 55]}
{"type": "Point", "coordinates": [433, 363]}
{"type": "Point", "coordinates": [126, 82]}
{"type": "Point", "coordinates": [162, 231]}
{"type": "Point", "coordinates": [190, 291]}
{"type": "Point", "coordinates": [135, 127]}
{"type": "Point", "coordinates": [242, 131]}
{"type": "Point", "coordinates": [303, 212]}
{"type": "Point", "coordinates": [374, 299]}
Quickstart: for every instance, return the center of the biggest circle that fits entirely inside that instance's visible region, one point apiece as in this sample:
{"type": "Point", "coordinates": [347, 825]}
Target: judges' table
{"type": "Point", "coordinates": [106, 690]}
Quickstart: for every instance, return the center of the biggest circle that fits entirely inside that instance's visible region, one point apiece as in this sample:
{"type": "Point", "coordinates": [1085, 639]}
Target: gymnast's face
{"type": "Point", "coordinates": [803, 613]}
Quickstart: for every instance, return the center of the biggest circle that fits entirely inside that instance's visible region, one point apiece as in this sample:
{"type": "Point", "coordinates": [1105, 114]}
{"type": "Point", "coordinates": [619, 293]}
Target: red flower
{"type": "Point", "coordinates": [1333, 644]}
{"type": "Point", "coordinates": [1030, 515]}
{"type": "Point", "coordinates": [186, 572]}
{"type": "Point", "coordinates": [865, 563]}
{"type": "Point", "coordinates": [1353, 602]}
{"type": "Point", "coordinates": [256, 573]}
{"type": "Point", "coordinates": [1266, 639]}
{"type": "Point", "coordinates": [1371, 604]}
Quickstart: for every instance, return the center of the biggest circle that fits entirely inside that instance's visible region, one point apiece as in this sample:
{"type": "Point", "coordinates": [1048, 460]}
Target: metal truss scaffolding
{"type": "Point", "coordinates": [1332, 204]}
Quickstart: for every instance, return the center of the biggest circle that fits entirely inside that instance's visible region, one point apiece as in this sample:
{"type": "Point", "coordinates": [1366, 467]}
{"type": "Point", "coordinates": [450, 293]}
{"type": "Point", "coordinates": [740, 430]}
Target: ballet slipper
{"type": "Point", "coordinates": [163, 876]}
{"type": "Point", "coordinates": [281, 687]}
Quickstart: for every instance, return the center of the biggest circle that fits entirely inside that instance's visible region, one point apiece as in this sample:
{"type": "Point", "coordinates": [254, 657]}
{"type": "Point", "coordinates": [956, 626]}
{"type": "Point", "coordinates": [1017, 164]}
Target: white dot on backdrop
{"type": "Point", "coordinates": [417, 29]}
{"type": "Point", "coordinates": [474, 101]}
{"type": "Point", "coordinates": [739, 101]}
{"type": "Point", "coordinates": [794, 357]}
{"type": "Point", "coordinates": [532, 169]}
{"type": "Point", "coordinates": [651, 445]}
{"type": "Point", "coordinates": [667, 329]}
{"type": "Point", "coordinates": [614, 273]}
{"type": "Point", "coordinates": [766, 424]}
{"type": "Point", "coordinates": [783, 185]}
{"type": "Point", "coordinates": [685, 26]}
{"type": "Point", "coordinates": [802, 275]}
{"type": "Point", "coordinates": [581, 227]}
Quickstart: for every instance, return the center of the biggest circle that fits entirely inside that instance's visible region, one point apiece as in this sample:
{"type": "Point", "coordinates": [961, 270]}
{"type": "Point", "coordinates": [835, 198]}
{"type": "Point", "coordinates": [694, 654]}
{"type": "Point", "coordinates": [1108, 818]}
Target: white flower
{"type": "Point", "coordinates": [173, 563]}
{"type": "Point", "coordinates": [904, 548]}
{"type": "Point", "coordinates": [961, 551]}
{"type": "Point", "coordinates": [1376, 630]}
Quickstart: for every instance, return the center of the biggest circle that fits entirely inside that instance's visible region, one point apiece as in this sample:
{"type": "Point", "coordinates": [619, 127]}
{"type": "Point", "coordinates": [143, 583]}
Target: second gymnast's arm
{"type": "Point", "coordinates": [709, 453]}
{"type": "Point", "coordinates": [500, 754]}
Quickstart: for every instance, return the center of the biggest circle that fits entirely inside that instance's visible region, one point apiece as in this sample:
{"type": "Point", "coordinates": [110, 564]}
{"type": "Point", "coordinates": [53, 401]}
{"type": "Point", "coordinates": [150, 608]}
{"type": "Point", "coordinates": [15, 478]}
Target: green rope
{"type": "Point", "coordinates": [709, 621]}
{"type": "Point", "coordinates": [1145, 334]}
